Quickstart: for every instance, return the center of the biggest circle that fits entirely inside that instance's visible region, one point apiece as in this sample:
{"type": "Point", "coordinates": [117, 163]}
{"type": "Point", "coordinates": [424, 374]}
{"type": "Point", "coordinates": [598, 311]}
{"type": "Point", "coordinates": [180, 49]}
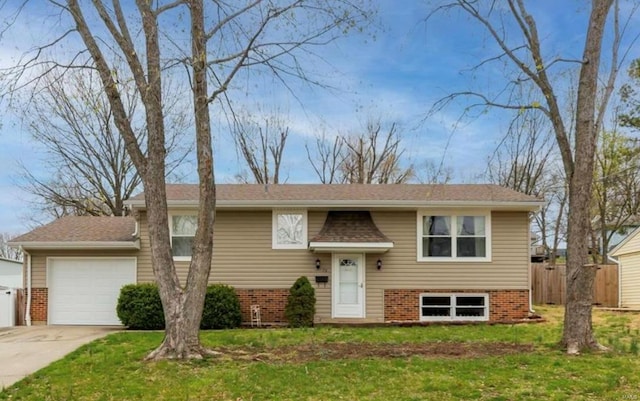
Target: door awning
{"type": "Point", "coordinates": [350, 231]}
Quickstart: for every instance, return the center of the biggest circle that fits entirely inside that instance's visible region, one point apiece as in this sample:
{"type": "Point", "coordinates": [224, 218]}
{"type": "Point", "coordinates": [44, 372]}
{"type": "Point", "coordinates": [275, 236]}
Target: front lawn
{"type": "Point", "coordinates": [502, 362]}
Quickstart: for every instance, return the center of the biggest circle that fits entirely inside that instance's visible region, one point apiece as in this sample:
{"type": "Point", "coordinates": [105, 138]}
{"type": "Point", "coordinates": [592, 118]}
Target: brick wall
{"type": "Point", "coordinates": [38, 304]}
{"type": "Point", "coordinates": [504, 305]}
{"type": "Point", "coordinates": [271, 302]}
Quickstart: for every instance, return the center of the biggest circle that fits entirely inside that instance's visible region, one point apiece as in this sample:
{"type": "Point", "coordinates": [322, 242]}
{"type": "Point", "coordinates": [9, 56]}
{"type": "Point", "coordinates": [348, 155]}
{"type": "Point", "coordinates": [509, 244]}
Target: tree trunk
{"type": "Point", "coordinates": [578, 332]}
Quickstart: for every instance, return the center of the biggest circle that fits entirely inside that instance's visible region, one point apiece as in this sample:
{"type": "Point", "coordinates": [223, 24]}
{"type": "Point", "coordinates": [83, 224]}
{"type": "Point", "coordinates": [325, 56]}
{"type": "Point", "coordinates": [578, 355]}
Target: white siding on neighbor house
{"type": "Point", "coordinates": [630, 280]}
{"type": "Point", "coordinates": [10, 274]}
{"type": "Point", "coordinates": [631, 245]}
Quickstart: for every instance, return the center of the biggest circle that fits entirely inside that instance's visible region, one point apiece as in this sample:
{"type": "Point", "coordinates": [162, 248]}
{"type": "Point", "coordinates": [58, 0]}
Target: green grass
{"type": "Point", "coordinates": [112, 368]}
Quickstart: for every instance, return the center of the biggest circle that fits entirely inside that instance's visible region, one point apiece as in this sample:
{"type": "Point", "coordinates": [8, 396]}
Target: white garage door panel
{"type": "Point", "coordinates": [85, 290]}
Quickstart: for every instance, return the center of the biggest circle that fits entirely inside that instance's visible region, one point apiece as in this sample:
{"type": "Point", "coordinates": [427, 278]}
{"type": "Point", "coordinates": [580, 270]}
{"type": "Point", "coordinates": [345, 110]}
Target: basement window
{"type": "Point", "coordinates": [454, 307]}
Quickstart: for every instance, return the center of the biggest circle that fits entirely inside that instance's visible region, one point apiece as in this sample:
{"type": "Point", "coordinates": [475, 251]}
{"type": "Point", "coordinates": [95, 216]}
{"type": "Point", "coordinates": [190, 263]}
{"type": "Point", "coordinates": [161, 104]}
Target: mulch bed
{"type": "Point", "coordinates": [333, 351]}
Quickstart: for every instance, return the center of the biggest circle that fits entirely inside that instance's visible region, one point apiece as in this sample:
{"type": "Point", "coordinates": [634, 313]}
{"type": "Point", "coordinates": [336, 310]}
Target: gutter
{"type": "Point", "coordinates": [135, 244]}
{"type": "Point", "coordinates": [27, 316]}
{"type": "Point", "coordinates": [617, 262]}
{"type": "Point", "coordinates": [353, 204]}
{"type": "Point", "coordinates": [531, 310]}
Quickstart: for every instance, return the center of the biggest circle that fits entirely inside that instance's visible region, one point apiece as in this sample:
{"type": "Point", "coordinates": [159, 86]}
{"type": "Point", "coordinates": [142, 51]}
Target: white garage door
{"type": "Point", "coordinates": [85, 290]}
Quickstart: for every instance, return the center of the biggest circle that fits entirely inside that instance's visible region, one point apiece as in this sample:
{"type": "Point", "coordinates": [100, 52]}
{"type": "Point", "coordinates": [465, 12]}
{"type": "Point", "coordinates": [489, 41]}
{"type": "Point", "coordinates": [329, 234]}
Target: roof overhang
{"type": "Point", "coordinates": [360, 247]}
{"type": "Point", "coordinates": [77, 245]}
{"type": "Point", "coordinates": [347, 204]}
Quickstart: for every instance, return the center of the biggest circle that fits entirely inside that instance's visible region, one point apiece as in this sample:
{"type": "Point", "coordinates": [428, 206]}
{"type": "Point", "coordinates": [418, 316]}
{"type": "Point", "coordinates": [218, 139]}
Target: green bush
{"type": "Point", "coordinates": [301, 304]}
{"type": "Point", "coordinates": [221, 308]}
{"type": "Point", "coordinates": [139, 307]}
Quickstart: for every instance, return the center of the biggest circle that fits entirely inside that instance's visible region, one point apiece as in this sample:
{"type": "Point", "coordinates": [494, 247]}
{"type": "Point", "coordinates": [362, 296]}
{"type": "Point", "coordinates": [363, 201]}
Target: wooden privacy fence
{"type": "Point", "coordinates": [548, 284]}
{"type": "Point", "coordinates": [21, 307]}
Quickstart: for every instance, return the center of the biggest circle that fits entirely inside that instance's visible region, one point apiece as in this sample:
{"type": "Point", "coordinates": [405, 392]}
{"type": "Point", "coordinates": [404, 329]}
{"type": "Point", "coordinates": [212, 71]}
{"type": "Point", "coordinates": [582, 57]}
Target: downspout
{"type": "Point", "coordinates": [531, 310]}
{"type": "Point", "coordinates": [27, 316]}
{"type": "Point", "coordinates": [617, 262]}
{"type": "Point", "coordinates": [135, 231]}
{"type": "Point", "coordinates": [137, 226]}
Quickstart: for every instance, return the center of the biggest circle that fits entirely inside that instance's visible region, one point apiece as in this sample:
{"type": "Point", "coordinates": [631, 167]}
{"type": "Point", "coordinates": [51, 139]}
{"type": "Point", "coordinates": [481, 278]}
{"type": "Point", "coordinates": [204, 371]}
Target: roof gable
{"type": "Point", "coordinates": [630, 244]}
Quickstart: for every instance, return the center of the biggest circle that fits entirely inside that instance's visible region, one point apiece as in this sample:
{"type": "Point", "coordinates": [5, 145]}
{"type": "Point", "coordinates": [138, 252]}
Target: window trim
{"type": "Point", "coordinates": [171, 216]}
{"type": "Point", "coordinates": [274, 229]}
{"type": "Point", "coordinates": [454, 304]}
{"type": "Point", "coordinates": [454, 216]}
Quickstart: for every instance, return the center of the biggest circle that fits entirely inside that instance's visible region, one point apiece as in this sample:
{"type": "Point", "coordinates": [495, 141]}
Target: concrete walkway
{"type": "Point", "coordinates": [24, 350]}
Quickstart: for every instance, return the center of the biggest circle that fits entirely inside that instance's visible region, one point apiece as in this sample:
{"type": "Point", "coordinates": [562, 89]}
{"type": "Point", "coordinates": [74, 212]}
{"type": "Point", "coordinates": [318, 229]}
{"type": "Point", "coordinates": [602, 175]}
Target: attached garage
{"type": "Point", "coordinates": [84, 291]}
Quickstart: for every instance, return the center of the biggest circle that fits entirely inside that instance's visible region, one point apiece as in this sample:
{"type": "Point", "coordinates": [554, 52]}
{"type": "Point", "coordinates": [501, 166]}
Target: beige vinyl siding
{"type": "Point", "coordinates": [39, 261]}
{"type": "Point", "coordinates": [507, 270]}
{"type": "Point", "coordinates": [242, 254]}
{"type": "Point", "coordinates": [630, 280]}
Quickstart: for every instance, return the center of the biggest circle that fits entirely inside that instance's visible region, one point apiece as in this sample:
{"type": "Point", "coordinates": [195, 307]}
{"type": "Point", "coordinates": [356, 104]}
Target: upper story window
{"type": "Point", "coordinates": [183, 230]}
{"type": "Point", "coordinates": [447, 237]}
{"type": "Point", "coordinates": [289, 229]}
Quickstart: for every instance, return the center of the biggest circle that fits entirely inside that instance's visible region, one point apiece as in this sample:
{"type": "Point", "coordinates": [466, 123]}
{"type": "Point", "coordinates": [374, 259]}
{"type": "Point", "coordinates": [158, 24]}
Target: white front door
{"type": "Point", "coordinates": [348, 285]}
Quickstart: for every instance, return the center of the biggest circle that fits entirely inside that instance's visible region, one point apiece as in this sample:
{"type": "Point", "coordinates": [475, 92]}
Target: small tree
{"type": "Point", "coordinates": [301, 304]}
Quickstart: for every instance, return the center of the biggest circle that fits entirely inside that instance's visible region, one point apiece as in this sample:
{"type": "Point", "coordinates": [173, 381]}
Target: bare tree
{"type": "Point", "coordinates": [372, 157]}
{"type": "Point", "coordinates": [616, 187]}
{"type": "Point", "coordinates": [375, 157]}
{"type": "Point", "coordinates": [261, 144]}
{"type": "Point", "coordinates": [7, 252]}
{"type": "Point", "coordinates": [525, 161]}
{"type": "Point", "coordinates": [89, 170]}
{"type": "Point", "coordinates": [249, 34]}
{"type": "Point", "coordinates": [327, 158]}
{"type": "Point", "coordinates": [531, 65]}
{"type": "Point", "coordinates": [433, 173]}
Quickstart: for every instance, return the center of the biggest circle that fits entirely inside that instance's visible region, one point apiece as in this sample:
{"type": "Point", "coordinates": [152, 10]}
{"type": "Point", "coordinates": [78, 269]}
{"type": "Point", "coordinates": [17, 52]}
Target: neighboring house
{"type": "Point", "coordinates": [375, 253]}
{"type": "Point", "coordinates": [628, 254]}
{"type": "Point", "coordinates": [10, 273]}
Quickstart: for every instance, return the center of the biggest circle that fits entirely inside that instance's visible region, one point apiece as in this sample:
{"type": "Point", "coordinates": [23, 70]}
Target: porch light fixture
{"type": "Point", "coordinates": [379, 264]}
{"type": "Point", "coordinates": [318, 264]}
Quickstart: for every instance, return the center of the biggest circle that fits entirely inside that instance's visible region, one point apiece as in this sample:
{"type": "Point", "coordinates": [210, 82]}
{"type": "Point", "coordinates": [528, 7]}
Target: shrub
{"type": "Point", "coordinates": [221, 308]}
{"type": "Point", "coordinates": [139, 307]}
{"type": "Point", "coordinates": [301, 304]}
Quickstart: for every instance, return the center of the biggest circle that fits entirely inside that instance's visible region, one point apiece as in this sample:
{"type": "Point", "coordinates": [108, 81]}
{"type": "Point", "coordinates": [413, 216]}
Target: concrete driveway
{"type": "Point", "coordinates": [24, 350]}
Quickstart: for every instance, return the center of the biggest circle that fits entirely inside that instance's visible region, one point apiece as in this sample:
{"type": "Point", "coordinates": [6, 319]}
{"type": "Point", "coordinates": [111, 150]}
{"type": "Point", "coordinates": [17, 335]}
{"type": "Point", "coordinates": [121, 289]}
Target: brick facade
{"type": "Point", "coordinates": [39, 304]}
{"type": "Point", "coordinates": [271, 301]}
{"type": "Point", "coordinates": [504, 305]}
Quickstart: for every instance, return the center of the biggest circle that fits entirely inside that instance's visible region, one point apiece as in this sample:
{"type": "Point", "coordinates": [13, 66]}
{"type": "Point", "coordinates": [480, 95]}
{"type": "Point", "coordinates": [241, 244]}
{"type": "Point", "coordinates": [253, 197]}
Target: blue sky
{"type": "Point", "coordinates": [395, 76]}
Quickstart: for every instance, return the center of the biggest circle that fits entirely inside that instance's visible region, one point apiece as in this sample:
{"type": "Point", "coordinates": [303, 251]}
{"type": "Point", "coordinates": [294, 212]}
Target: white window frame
{"type": "Point", "coordinates": [454, 301]}
{"type": "Point", "coordinates": [171, 216]}
{"type": "Point", "coordinates": [454, 216]}
{"type": "Point", "coordinates": [274, 229]}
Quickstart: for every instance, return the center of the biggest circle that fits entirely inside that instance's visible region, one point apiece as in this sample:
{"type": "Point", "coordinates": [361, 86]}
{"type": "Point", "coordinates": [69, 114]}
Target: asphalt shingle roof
{"type": "Point", "coordinates": [83, 229]}
{"type": "Point", "coordinates": [350, 227]}
{"type": "Point", "coordinates": [351, 192]}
